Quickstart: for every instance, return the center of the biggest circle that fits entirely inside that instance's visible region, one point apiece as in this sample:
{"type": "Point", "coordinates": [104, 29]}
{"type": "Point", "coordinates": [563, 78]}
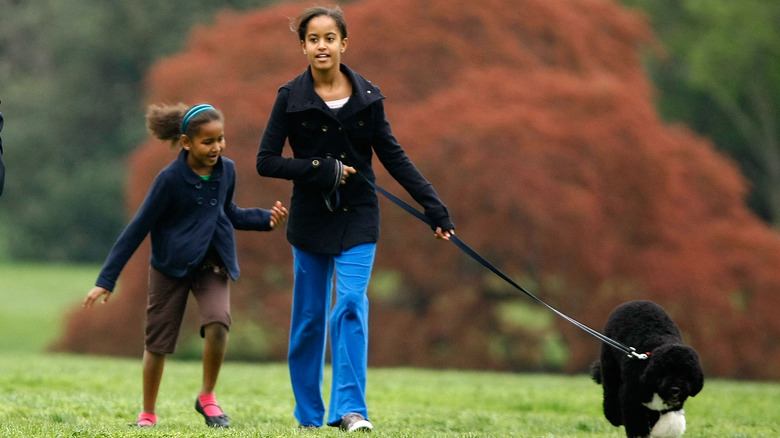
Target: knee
{"type": "Point", "coordinates": [215, 331]}
{"type": "Point", "coordinates": [356, 302]}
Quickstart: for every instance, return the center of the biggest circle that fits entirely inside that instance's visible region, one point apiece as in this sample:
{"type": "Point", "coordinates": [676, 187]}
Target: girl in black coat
{"type": "Point", "coordinates": [334, 120]}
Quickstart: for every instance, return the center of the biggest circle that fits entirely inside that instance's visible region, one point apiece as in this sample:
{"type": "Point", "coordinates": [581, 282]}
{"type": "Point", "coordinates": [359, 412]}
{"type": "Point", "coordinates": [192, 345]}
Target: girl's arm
{"type": "Point", "coordinates": [252, 219]}
{"type": "Point", "coordinates": [318, 171]}
{"type": "Point", "coordinates": [133, 235]}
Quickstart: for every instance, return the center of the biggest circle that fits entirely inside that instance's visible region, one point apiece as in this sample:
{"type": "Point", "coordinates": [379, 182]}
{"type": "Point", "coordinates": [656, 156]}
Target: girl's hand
{"type": "Point", "coordinates": [94, 295]}
{"type": "Point", "coordinates": [348, 170]}
{"type": "Point", "coordinates": [444, 235]}
{"type": "Point", "coordinates": [278, 215]}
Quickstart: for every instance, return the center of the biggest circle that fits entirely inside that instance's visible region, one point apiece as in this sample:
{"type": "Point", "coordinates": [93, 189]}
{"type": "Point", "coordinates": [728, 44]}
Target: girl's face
{"type": "Point", "coordinates": [205, 147]}
{"type": "Point", "coordinates": [323, 44]}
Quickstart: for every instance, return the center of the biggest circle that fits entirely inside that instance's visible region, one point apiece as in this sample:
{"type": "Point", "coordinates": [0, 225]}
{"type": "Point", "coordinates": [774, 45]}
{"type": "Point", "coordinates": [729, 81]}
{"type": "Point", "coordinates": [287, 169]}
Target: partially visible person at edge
{"type": "Point", "coordinates": [334, 120]}
{"type": "Point", "coordinates": [2, 165]}
{"type": "Point", "coordinates": [190, 214]}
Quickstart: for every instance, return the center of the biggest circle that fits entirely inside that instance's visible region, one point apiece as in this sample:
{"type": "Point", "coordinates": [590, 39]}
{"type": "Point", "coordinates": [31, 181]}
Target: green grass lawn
{"type": "Point", "coordinates": [57, 395]}
{"type": "Point", "coordinates": [35, 298]}
{"type": "Point", "coordinates": [81, 396]}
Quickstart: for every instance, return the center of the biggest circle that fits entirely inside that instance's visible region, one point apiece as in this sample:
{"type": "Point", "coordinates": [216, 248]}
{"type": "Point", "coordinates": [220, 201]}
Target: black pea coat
{"type": "Point", "coordinates": [321, 139]}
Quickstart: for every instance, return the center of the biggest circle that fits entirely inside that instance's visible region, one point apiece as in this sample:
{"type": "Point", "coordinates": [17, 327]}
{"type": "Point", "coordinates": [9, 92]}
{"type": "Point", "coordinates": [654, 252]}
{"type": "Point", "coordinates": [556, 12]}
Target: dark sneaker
{"type": "Point", "coordinates": [353, 422]}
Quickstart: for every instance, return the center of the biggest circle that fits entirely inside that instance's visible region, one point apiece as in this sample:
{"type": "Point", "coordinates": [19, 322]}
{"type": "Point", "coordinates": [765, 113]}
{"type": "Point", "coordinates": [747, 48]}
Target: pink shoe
{"type": "Point", "coordinates": [145, 419]}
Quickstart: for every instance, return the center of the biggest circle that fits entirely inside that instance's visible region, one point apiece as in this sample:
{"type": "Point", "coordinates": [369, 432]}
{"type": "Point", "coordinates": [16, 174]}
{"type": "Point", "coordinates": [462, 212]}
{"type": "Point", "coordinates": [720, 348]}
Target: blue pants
{"type": "Point", "coordinates": [312, 316]}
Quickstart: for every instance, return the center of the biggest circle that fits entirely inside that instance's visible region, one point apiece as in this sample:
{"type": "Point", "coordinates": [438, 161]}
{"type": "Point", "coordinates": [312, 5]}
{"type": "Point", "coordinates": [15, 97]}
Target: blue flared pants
{"type": "Point", "coordinates": [347, 321]}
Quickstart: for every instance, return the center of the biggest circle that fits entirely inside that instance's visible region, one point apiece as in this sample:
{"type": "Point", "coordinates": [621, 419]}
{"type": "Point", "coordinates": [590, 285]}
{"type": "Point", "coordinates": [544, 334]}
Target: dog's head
{"type": "Point", "coordinates": [673, 373]}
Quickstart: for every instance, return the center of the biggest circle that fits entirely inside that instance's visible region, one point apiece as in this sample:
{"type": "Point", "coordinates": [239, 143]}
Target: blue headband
{"type": "Point", "coordinates": [192, 113]}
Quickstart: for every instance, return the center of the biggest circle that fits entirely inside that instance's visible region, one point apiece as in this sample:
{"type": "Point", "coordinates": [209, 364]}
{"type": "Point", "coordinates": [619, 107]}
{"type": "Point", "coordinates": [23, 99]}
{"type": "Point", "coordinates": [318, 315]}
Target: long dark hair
{"type": "Point", "coordinates": [300, 23]}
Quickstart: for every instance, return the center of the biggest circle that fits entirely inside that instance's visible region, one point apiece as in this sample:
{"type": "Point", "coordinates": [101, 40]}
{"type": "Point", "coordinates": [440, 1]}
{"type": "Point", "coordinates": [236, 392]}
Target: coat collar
{"type": "Point", "coordinates": [189, 175]}
{"type": "Point", "coordinates": [303, 96]}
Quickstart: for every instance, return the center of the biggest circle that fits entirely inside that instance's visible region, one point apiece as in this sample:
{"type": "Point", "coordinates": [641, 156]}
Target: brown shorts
{"type": "Point", "coordinates": [167, 301]}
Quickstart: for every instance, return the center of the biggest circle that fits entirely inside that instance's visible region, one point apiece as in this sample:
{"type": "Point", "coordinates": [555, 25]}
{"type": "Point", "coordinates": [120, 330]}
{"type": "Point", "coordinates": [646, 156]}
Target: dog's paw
{"type": "Point", "coordinates": [669, 425]}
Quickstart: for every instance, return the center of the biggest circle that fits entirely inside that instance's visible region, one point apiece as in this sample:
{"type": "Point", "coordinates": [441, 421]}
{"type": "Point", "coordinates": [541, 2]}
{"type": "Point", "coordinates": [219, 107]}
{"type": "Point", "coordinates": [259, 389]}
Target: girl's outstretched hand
{"type": "Point", "coordinates": [443, 234]}
{"type": "Point", "coordinates": [278, 215]}
{"type": "Point", "coordinates": [94, 295]}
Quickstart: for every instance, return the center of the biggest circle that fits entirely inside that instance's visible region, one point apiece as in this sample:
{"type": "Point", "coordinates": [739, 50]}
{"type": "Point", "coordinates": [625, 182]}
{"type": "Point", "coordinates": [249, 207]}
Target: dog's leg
{"type": "Point", "coordinates": [612, 383]}
{"type": "Point", "coordinates": [612, 409]}
{"type": "Point", "coordinates": [635, 420]}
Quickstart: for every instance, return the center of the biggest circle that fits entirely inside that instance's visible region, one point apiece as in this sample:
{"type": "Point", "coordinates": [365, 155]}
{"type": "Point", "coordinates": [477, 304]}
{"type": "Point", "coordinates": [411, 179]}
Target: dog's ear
{"type": "Point", "coordinates": [696, 375]}
{"type": "Point", "coordinates": [698, 385]}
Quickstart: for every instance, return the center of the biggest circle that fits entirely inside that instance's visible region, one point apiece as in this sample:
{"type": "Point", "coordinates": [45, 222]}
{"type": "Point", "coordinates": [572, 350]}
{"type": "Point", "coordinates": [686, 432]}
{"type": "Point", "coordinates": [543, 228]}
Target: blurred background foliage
{"type": "Point", "coordinates": [719, 73]}
{"type": "Point", "coordinates": [575, 185]}
{"type": "Point", "coordinates": [72, 89]}
{"type": "Point", "coordinates": [572, 222]}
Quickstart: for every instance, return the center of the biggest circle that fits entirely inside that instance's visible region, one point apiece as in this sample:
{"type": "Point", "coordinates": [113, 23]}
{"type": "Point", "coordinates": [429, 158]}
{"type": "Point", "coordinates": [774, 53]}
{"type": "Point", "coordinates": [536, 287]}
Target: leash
{"type": "Point", "coordinates": [630, 351]}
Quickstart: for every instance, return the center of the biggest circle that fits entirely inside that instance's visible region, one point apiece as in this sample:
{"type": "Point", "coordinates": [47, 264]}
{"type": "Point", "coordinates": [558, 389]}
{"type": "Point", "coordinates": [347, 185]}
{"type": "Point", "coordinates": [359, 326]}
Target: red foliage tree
{"type": "Point", "coordinates": [535, 122]}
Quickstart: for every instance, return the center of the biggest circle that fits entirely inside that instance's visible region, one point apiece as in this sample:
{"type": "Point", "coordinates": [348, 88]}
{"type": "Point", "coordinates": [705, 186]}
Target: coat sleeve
{"type": "Point", "coordinates": [134, 234]}
{"type": "Point", "coordinates": [318, 171]}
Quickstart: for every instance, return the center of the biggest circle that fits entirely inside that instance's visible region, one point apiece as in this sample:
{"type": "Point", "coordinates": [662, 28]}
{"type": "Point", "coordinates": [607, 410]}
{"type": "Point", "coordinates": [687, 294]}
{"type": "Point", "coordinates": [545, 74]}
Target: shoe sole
{"type": "Point", "coordinates": [363, 425]}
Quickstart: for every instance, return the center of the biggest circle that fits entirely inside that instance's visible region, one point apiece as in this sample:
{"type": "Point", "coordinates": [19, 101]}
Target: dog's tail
{"type": "Point", "coordinates": [595, 371]}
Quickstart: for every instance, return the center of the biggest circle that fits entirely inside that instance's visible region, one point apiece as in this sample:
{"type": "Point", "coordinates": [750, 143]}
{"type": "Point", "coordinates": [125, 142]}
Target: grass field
{"type": "Point", "coordinates": [34, 300]}
{"type": "Point", "coordinates": [57, 395]}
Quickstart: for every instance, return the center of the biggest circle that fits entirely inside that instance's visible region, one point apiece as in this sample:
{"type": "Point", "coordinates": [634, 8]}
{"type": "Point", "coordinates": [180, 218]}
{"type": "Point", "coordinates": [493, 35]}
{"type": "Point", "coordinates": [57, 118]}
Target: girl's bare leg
{"type": "Point", "coordinates": [153, 365]}
{"type": "Point", "coordinates": [214, 348]}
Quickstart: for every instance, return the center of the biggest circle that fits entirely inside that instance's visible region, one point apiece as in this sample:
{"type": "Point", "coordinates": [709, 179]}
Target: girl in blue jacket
{"type": "Point", "coordinates": [334, 121]}
{"type": "Point", "coordinates": [190, 215]}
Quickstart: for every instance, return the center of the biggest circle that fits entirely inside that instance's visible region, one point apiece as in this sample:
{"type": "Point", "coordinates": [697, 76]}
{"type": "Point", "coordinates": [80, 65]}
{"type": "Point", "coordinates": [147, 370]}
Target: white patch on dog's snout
{"type": "Point", "coordinates": [657, 403]}
{"type": "Point", "coordinates": [669, 425]}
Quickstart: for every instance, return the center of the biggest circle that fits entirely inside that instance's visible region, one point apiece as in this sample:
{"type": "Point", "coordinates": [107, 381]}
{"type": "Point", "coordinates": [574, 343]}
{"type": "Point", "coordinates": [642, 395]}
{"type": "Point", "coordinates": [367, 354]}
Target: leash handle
{"type": "Point", "coordinates": [630, 351]}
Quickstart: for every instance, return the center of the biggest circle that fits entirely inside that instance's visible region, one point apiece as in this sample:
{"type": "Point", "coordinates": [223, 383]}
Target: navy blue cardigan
{"type": "Point", "coordinates": [185, 215]}
{"type": "Point", "coordinates": [320, 138]}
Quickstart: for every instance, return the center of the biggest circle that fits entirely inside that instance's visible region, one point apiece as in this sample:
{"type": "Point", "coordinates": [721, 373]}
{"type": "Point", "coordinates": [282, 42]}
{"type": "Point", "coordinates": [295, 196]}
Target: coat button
{"type": "Point", "coordinates": [345, 209]}
{"type": "Point", "coordinates": [200, 201]}
{"type": "Point", "coordinates": [328, 155]}
{"type": "Point", "coordinates": [198, 185]}
{"type": "Point", "coordinates": [213, 201]}
{"type": "Point", "coordinates": [324, 128]}
{"type": "Point", "coordinates": [303, 123]}
{"type": "Point", "coordinates": [315, 163]}
{"type": "Point", "coordinates": [343, 155]}
{"type": "Point", "coordinates": [361, 123]}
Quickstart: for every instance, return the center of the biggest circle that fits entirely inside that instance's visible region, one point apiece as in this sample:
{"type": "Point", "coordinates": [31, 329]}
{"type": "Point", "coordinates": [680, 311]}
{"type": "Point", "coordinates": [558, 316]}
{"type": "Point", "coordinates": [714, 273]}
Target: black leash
{"type": "Point", "coordinates": [630, 351]}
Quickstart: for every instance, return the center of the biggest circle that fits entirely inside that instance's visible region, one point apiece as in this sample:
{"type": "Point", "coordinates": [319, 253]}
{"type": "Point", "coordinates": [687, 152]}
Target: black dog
{"type": "Point", "coordinates": [647, 395]}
